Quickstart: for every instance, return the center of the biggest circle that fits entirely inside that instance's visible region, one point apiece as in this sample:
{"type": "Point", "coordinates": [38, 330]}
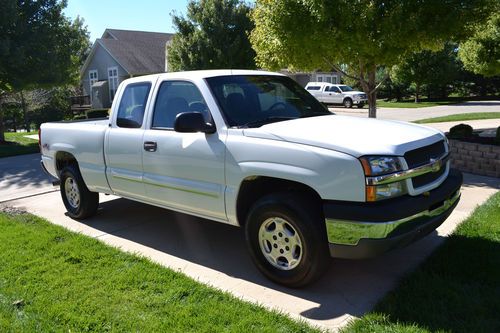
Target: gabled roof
{"type": "Point", "coordinates": [138, 52]}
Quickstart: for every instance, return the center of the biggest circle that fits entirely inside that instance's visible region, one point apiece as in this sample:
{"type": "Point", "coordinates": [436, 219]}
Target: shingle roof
{"type": "Point", "coordinates": [139, 52]}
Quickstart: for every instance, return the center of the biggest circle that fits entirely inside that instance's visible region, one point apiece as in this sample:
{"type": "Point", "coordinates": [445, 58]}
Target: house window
{"type": "Point", "coordinates": [93, 77]}
{"type": "Point", "coordinates": [112, 82]}
{"type": "Point", "coordinates": [327, 78]}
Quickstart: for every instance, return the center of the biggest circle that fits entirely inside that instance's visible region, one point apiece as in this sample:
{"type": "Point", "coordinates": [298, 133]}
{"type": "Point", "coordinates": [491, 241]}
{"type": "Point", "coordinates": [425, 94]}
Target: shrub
{"type": "Point", "coordinates": [460, 131]}
{"type": "Point", "coordinates": [97, 113]}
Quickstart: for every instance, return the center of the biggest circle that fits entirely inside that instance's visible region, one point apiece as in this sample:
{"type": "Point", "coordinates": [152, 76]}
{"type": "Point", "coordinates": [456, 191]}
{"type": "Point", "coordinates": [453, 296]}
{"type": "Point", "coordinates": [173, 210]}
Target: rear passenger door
{"type": "Point", "coordinates": [183, 171]}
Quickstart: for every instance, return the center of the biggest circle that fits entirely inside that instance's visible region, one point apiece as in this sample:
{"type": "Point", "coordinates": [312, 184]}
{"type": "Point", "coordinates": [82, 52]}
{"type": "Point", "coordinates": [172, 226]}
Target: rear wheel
{"type": "Point", "coordinates": [78, 200]}
{"type": "Point", "coordinates": [287, 239]}
{"type": "Point", "coordinates": [348, 103]}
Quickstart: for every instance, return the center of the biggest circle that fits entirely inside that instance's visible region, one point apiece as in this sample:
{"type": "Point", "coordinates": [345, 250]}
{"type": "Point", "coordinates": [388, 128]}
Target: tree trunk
{"type": "Point", "coordinates": [417, 93]}
{"type": "Point", "coordinates": [25, 112]}
{"type": "Point", "coordinates": [2, 129]}
{"type": "Point", "coordinates": [372, 93]}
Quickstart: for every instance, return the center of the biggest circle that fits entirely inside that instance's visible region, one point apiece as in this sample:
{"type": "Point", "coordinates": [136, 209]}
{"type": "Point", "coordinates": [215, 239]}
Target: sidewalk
{"type": "Point", "coordinates": [476, 124]}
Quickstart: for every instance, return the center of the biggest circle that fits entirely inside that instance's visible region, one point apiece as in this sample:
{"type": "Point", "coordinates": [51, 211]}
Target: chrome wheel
{"type": "Point", "coordinates": [280, 243]}
{"type": "Point", "coordinates": [72, 192]}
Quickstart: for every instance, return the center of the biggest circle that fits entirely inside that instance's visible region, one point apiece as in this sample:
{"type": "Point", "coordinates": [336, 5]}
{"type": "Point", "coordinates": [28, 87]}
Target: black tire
{"type": "Point", "coordinates": [306, 218]}
{"type": "Point", "coordinates": [361, 105]}
{"type": "Point", "coordinates": [347, 103]}
{"type": "Point", "coordinates": [79, 201]}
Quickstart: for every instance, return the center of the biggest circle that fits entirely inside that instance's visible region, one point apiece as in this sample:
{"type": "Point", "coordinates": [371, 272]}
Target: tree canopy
{"type": "Point", "coordinates": [364, 34]}
{"type": "Point", "coordinates": [39, 46]}
{"type": "Point", "coordinates": [429, 68]}
{"type": "Point", "coordinates": [481, 53]}
{"type": "Point", "coordinates": [213, 35]}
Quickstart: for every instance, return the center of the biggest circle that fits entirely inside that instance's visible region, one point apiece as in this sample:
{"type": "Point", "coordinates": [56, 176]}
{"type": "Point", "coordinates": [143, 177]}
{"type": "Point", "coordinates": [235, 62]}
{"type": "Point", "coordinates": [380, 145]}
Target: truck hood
{"type": "Point", "coordinates": [351, 135]}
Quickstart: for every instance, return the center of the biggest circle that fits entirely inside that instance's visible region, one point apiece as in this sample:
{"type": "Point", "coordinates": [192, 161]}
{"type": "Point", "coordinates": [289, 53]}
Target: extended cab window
{"type": "Point", "coordinates": [132, 105]}
{"type": "Point", "coordinates": [176, 97]}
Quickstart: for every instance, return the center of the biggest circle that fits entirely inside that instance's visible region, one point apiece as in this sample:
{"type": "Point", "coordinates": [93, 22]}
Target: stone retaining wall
{"type": "Point", "coordinates": [475, 158]}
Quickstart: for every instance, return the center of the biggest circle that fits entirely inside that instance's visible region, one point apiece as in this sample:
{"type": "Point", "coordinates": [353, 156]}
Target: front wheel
{"type": "Point", "coordinates": [348, 103]}
{"type": "Point", "coordinates": [287, 239]}
{"type": "Point", "coordinates": [361, 105]}
{"type": "Point", "coordinates": [78, 200]}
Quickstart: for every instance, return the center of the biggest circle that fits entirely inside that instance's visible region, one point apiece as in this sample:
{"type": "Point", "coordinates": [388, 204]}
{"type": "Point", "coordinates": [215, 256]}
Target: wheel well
{"type": "Point", "coordinates": [254, 188]}
{"type": "Point", "coordinates": [347, 98]}
{"type": "Point", "coordinates": [63, 159]}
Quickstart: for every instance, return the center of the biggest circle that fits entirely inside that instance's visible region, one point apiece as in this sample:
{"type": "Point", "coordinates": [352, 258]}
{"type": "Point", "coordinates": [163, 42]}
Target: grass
{"type": "Point", "coordinates": [53, 280]}
{"type": "Point", "coordinates": [18, 144]}
{"type": "Point", "coordinates": [461, 117]}
{"type": "Point", "coordinates": [457, 289]}
{"type": "Point", "coordinates": [412, 104]}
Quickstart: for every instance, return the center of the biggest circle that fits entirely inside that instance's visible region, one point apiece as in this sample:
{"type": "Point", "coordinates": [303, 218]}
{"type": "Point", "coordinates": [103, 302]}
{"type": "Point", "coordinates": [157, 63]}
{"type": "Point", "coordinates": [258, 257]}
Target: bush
{"type": "Point", "coordinates": [98, 113]}
{"type": "Point", "coordinates": [460, 131]}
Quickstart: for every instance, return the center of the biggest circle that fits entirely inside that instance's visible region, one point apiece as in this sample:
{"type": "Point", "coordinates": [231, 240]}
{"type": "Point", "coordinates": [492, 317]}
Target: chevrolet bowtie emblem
{"type": "Point", "coordinates": [435, 164]}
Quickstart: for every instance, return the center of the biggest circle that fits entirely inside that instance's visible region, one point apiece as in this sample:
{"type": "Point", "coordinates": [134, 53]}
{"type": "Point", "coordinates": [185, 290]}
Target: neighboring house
{"type": "Point", "coordinates": [118, 55]}
{"type": "Point", "coordinates": [304, 77]}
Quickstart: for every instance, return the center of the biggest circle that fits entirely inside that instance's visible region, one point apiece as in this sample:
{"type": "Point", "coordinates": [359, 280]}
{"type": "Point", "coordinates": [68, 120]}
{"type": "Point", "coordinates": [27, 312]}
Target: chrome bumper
{"type": "Point", "coordinates": [349, 232]}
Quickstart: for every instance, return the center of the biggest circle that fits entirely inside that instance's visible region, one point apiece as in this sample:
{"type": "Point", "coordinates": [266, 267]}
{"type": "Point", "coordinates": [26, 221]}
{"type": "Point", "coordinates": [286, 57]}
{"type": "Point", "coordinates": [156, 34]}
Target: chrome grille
{"type": "Point", "coordinates": [421, 156]}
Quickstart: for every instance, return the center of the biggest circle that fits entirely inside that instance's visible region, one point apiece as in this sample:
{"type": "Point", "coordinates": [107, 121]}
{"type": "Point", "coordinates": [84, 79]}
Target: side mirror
{"type": "Point", "coordinates": [192, 122]}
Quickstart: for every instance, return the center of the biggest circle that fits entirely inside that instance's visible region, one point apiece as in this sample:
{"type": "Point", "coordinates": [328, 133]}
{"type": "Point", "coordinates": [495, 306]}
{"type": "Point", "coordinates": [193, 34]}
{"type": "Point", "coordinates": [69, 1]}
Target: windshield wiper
{"type": "Point", "coordinates": [264, 121]}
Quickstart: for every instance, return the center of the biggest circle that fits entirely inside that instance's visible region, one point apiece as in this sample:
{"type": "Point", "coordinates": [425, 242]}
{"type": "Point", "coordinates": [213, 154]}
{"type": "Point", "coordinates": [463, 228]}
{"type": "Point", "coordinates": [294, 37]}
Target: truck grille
{"type": "Point", "coordinates": [421, 156]}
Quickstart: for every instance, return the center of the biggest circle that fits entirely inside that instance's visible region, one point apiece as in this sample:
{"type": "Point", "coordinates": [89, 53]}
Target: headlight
{"type": "Point", "coordinates": [383, 165]}
{"type": "Point", "coordinates": [380, 165]}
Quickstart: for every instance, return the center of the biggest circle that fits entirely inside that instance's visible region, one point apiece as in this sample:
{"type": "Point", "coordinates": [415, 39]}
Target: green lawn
{"type": "Point", "coordinates": [456, 290]}
{"type": "Point", "coordinates": [412, 104]}
{"type": "Point", "coordinates": [53, 280]}
{"type": "Point", "coordinates": [461, 117]}
{"type": "Point", "coordinates": [19, 145]}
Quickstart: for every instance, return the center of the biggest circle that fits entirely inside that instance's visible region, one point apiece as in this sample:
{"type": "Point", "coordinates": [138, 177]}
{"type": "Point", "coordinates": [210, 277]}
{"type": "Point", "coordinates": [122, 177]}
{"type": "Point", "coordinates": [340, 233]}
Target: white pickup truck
{"type": "Point", "coordinates": [254, 149]}
{"type": "Point", "coordinates": [330, 93]}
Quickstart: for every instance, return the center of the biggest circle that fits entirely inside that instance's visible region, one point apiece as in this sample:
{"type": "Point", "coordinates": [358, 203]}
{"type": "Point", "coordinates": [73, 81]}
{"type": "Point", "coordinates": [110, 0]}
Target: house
{"type": "Point", "coordinates": [118, 55]}
{"type": "Point", "coordinates": [304, 77]}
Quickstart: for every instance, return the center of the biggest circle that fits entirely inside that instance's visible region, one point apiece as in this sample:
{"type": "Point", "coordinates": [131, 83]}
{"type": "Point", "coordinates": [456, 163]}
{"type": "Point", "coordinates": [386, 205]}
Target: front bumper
{"type": "Point", "coordinates": [362, 230]}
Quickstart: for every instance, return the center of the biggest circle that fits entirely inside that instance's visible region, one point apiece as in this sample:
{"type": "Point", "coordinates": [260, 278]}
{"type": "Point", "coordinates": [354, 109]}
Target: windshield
{"type": "Point", "coordinates": [345, 88]}
{"type": "Point", "coordinates": [256, 100]}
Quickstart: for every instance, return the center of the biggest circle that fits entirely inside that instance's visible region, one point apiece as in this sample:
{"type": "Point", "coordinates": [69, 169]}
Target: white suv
{"type": "Point", "coordinates": [329, 93]}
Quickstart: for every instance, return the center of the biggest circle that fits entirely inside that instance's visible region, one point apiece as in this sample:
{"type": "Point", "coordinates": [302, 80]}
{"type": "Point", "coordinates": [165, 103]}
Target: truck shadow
{"type": "Point", "coordinates": [349, 287]}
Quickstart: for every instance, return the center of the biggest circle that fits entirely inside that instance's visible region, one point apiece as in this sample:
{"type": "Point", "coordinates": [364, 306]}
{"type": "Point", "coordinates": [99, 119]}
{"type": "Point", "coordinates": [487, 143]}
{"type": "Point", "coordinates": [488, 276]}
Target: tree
{"type": "Point", "coordinates": [481, 53]}
{"type": "Point", "coordinates": [39, 46]}
{"type": "Point", "coordinates": [434, 69]}
{"type": "Point", "coordinates": [364, 34]}
{"type": "Point", "coordinates": [214, 35]}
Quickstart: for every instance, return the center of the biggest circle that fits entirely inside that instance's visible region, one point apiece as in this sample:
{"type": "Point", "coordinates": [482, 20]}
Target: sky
{"type": "Point", "coordinates": [145, 15]}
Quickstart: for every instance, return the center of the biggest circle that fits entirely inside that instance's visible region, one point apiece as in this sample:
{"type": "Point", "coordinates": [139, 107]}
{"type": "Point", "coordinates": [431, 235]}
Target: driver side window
{"type": "Point", "coordinates": [175, 97]}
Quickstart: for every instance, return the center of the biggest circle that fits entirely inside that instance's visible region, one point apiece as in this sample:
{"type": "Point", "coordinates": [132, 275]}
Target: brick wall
{"type": "Point", "coordinates": [475, 158]}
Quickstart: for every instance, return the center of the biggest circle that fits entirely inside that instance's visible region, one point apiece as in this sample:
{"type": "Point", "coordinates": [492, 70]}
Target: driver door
{"type": "Point", "coordinates": [183, 171]}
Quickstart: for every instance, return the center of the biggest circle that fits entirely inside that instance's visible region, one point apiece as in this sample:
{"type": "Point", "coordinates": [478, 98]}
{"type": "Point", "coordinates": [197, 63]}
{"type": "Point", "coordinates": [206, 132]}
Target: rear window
{"type": "Point", "coordinates": [313, 88]}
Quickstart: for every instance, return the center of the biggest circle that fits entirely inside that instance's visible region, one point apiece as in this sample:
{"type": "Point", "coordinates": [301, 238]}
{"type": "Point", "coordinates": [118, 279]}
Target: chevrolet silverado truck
{"type": "Point", "coordinates": [329, 93]}
{"type": "Point", "coordinates": [256, 150]}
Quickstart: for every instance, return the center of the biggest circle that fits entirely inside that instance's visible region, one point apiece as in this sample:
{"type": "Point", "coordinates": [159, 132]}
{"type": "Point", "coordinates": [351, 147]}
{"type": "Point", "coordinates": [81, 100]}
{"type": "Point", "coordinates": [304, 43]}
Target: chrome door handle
{"type": "Point", "coordinates": [150, 146]}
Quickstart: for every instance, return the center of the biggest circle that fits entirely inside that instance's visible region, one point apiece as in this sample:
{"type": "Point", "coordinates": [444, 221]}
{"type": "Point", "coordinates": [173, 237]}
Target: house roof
{"type": "Point", "coordinates": [138, 52]}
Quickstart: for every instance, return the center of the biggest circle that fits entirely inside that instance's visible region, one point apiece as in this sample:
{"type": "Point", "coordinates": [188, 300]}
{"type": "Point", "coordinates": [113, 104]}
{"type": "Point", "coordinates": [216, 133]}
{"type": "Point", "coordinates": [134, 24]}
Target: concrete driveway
{"type": "Point", "coordinates": [407, 114]}
{"type": "Point", "coordinates": [215, 253]}
{"type": "Point", "coordinates": [21, 176]}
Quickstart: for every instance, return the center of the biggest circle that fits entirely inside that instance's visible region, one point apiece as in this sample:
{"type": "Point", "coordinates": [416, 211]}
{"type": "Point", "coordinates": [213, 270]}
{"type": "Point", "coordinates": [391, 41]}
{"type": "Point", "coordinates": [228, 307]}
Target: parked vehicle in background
{"type": "Point", "coordinates": [330, 93]}
{"type": "Point", "coordinates": [254, 149]}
